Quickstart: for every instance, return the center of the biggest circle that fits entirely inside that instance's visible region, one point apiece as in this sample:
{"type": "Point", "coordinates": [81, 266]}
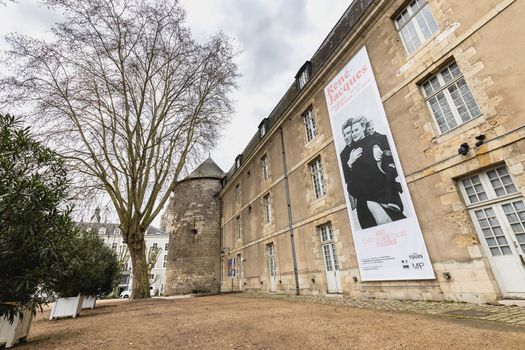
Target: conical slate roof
{"type": "Point", "coordinates": [208, 169]}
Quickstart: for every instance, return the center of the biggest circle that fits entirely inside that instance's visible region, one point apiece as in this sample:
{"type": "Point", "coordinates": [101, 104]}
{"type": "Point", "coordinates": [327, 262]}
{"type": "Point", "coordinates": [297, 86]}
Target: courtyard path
{"type": "Point", "coordinates": [497, 313]}
{"type": "Point", "coordinates": [279, 322]}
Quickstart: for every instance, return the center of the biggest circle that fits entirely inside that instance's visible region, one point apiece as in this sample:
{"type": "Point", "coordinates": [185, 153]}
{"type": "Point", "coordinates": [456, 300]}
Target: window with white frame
{"type": "Point", "coordinates": [238, 228]}
{"type": "Point", "coordinates": [265, 167]}
{"type": "Point", "coordinates": [303, 78]}
{"type": "Point", "coordinates": [237, 193]}
{"type": "Point", "coordinates": [309, 125]}
{"type": "Point", "coordinates": [114, 246]}
{"type": "Point", "coordinates": [102, 231]}
{"type": "Point", "coordinates": [166, 246]}
{"type": "Point", "coordinates": [124, 279]}
{"type": "Point", "coordinates": [415, 24]}
{"type": "Point", "coordinates": [316, 171]}
{"type": "Point", "coordinates": [165, 260]}
{"type": "Point", "coordinates": [449, 98]}
{"type": "Point", "coordinates": [116, 231]}
{"type": "Point", "coordinates": [155, 245]}
{"type": "Point", "coordinates": [267, 209]}
{"type": "Point", "coordinates": [328, 247]}
{"type": "Point", "coordinates": [497, 209]}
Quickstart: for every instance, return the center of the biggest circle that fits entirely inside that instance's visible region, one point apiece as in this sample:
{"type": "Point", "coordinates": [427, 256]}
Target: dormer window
{"type": "Point", "coordinates": [263, 127]}
{"type": "Point", "coordinates": [238, 161]}
{"type": "Point", "coordinates": [303, 75]}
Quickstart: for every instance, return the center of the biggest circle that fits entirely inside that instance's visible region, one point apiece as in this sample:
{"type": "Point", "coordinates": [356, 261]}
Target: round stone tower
{"type": "Point", "coordinates": [193, 223]}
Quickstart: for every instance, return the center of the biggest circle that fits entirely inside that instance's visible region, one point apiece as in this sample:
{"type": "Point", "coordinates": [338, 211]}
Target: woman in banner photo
{"type": "Point", "coordinates": [370, 174]}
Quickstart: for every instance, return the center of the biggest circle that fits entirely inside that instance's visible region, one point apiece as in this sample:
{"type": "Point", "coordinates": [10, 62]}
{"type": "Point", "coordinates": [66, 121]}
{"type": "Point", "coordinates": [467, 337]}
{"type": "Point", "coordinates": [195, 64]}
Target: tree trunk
{"type": "Point", "coordinates": [137, 252]}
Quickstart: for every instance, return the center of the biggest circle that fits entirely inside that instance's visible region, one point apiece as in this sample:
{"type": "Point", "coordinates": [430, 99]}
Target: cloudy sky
{"type": "Point", "coordinates": [276, 38]}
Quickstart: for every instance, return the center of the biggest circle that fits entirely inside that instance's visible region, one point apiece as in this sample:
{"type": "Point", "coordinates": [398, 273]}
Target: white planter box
{"type": "Point", "coordinates": [89, 302]}
{"type": "Point", "coordinates": [67, 307]}
{"type": "Point", "coordinates": [11, 334]}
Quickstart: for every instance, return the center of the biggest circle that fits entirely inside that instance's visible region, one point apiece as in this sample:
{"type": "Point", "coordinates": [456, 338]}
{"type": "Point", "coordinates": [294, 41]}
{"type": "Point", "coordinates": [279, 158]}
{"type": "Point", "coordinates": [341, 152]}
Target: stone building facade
{"type": "Point", "coordinates": [154, 238]}
{"type": "Point", "coordinates": [193, 223]}
{"type": "Point", "coordinates": [450, 75]}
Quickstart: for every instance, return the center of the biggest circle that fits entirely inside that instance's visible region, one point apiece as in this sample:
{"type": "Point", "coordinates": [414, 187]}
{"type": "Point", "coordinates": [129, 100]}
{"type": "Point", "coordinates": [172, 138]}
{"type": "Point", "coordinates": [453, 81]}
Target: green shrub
{"type": "Point", "coordinates": [92, 268]}
{"type": "Point", "coordinates": [34, 230]}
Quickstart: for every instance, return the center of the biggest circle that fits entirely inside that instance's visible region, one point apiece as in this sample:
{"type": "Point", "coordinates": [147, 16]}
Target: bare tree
{"type": "Point", "coordinates": [128, 97]}
{"type": "Point", "coordinates": [153, 257]}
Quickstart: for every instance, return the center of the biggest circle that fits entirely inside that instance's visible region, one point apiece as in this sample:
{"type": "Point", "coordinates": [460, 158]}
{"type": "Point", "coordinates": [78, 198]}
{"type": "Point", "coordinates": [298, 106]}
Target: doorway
{"type": "Point", "coordinates": [333, 277]}
{"type": "Point", "coordinates": [271, 266]}
{"type": "Point", "coordinates": [497, 210]}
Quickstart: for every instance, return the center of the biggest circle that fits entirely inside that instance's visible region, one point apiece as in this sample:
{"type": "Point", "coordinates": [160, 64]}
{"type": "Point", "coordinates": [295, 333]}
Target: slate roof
{"type": "Point", "coordinates": [207, 169]}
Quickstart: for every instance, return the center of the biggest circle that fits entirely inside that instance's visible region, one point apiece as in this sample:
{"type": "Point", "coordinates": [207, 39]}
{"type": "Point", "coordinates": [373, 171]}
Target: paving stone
{"type": "Point", "coordinates": [504, 314]}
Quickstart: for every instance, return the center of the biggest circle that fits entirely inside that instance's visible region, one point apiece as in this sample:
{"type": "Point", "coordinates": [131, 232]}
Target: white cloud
{"type": "Point", "coordinates": [276, 37]}
{"type": "Point", "coordinates": [26, 17]}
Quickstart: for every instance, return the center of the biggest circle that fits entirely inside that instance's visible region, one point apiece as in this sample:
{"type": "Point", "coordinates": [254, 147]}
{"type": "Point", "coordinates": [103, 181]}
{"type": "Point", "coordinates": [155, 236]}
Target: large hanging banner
{"type": "Point", "coordinates": [387, 237]}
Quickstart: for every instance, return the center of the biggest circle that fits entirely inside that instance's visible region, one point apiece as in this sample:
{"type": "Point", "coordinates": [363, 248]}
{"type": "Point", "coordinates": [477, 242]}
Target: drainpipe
{"type": "Point", "coordinates": [290, 222]}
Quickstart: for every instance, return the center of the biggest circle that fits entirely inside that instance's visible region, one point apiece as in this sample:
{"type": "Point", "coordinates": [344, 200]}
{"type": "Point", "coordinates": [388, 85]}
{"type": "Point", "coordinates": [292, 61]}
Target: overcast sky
{"type": "Point", "coordinates": [276, 37]}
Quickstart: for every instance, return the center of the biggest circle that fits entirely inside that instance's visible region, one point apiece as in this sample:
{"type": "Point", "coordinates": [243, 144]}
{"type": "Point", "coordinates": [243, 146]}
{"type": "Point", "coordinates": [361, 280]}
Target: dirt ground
{"type": "Point", "coordinates": [233, 322]}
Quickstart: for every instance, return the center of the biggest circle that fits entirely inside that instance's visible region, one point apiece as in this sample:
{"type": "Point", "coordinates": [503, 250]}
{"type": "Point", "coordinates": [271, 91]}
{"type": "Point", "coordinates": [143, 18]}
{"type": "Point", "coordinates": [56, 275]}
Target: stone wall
{"type": "Point", "coordinates": [194, 259]}
{"type": "Point", "coordinates": [468, 34]}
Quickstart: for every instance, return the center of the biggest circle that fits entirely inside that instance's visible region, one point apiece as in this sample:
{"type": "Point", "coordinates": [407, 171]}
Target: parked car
{"type": "Point", "coordinates": [127, 293]}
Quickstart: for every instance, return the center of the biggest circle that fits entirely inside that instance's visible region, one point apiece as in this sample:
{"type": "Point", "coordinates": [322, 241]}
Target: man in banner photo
{"type": "Point", "coordinates": [370, 174]}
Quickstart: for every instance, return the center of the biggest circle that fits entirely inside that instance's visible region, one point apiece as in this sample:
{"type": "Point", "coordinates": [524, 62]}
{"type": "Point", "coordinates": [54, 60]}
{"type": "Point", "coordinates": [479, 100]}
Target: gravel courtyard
{"type": "Point", "coordinates": [235, 322]}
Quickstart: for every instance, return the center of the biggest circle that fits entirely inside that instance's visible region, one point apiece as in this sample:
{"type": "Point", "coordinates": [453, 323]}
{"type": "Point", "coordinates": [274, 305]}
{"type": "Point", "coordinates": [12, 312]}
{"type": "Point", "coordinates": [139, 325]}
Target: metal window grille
{"type": "Point", "coordinates": [316, 170]}
{"type": "Point", "coordinates": [415, 24]}
{"type": "Point", "coordinates": [309, 125]}
{"type": "Point", "coordinates": [449, 98]}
